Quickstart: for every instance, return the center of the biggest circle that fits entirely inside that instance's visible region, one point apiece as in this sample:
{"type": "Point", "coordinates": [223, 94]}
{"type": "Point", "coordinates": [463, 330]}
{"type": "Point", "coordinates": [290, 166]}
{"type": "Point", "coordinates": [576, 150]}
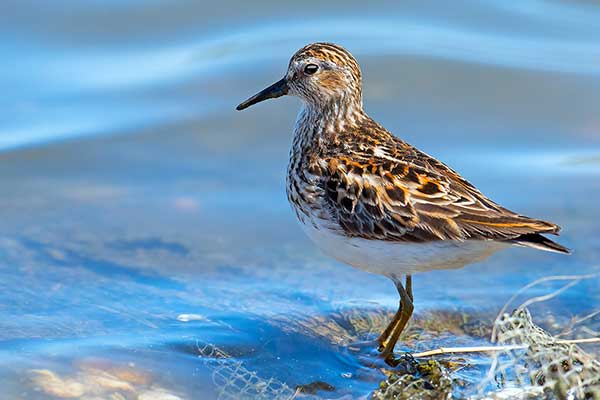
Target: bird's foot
{"type": "Point", "coordinates": [405, 362]}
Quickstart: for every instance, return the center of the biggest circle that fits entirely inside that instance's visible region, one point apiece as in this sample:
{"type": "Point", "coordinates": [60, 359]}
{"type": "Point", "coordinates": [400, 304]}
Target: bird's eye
{"type": "Point", "coordinates": [310, 69]}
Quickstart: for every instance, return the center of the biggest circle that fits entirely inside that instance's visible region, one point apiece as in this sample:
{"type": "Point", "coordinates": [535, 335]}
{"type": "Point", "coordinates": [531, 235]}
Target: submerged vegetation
{"type": "Point", "coordinates": [425, 380]}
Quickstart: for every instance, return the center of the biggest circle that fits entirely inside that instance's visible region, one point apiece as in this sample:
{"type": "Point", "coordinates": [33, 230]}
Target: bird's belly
{"type": "Point", "coordinates": [395, 258]}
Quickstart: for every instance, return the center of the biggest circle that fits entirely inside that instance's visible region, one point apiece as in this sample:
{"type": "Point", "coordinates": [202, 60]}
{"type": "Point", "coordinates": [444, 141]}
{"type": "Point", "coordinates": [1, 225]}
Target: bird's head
{"type": "Point", "coordinates": [320, 74]}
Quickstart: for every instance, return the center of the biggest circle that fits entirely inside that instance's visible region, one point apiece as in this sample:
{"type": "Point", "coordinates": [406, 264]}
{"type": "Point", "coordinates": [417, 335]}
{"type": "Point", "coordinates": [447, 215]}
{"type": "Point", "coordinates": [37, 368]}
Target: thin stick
{"type": "Point", "coordinates": [485, 349]}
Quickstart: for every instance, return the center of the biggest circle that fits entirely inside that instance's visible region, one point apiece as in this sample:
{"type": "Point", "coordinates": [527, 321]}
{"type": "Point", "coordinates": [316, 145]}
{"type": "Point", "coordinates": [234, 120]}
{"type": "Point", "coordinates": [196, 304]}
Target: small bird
{"type": "Point", "coordinates": [375, 202]}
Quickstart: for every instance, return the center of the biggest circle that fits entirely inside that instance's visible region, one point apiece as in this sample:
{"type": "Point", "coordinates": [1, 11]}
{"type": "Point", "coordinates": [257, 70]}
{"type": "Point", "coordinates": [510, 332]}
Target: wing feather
{"type": "Point", "coordinates": [401, 194]}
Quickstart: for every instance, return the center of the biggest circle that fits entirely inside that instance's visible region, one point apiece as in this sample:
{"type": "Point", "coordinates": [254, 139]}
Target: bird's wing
{"type": "Point", "coordinates": [397, 193]}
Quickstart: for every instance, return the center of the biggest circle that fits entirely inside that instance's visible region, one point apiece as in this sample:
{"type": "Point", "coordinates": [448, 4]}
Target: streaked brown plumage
{"type": "Point", "coordinates": [357, 189]}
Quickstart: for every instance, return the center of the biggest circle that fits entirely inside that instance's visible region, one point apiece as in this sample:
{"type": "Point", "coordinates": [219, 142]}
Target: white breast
{"type": "Point", "coordinates": [397, 258]}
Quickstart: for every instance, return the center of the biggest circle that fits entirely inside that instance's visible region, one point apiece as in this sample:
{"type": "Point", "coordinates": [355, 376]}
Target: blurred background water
{"type": "Point", "coordinates": [142, 217]}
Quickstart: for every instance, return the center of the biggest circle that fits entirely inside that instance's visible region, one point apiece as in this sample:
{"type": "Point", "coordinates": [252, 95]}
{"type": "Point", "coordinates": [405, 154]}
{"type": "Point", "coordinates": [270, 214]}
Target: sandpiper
{"type": "Point", "coordinates": [377, 203]}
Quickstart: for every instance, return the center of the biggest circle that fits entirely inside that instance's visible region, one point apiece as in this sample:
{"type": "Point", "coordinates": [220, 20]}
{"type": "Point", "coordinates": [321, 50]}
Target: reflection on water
{"type": "Point", "coordinates": [162, 227]}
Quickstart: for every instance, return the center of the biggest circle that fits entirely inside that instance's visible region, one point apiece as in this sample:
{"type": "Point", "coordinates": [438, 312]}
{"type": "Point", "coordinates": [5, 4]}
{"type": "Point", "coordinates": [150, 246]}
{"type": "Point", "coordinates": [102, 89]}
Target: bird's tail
{"type": "Point", "coordinates": [537, 241]}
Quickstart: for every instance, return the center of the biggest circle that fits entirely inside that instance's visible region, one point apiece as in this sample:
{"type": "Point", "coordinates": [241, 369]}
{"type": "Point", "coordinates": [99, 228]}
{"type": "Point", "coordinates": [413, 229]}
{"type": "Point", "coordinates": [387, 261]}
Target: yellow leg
{"type": "Point", "coordinates": [382, 339]}
{"type": "Point", "coordinates": [391, 334]}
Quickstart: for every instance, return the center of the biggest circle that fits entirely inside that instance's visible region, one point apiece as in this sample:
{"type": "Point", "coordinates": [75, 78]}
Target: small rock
{"type": "Point", "coordinates": [158, 394]}
{"type": "Point", "coordinates": [52, 384]}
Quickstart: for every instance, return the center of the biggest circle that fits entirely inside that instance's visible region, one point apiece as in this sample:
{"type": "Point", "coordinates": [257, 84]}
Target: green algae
{"type": "Point", "coordinates": [420, 380]}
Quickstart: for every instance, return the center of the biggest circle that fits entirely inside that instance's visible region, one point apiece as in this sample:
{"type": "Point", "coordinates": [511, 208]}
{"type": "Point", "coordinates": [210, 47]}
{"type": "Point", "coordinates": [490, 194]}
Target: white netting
{"type": "Point", "coordinates": [233, 381]}
{"type": "Point", "coordinates": [537, 363]}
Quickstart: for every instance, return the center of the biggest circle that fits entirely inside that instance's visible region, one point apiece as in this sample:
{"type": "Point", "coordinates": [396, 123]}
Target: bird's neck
{"type": "Point", "coordinates": [320, 124]}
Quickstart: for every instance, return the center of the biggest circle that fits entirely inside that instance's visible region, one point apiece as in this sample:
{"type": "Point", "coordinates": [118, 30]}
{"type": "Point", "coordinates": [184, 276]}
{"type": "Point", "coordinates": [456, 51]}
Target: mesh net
{"type": "Point", "coordinates": [233, 381]}
{"type": "Point", "coordinates": [540, 364]}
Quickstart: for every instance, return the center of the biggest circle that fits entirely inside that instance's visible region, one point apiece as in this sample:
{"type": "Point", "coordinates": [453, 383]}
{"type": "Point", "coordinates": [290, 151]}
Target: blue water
{"type": "Point", "coordinates": [133, 194]}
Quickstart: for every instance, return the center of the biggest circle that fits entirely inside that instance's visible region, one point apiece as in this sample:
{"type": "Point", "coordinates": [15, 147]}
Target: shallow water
{"type": "Point", "coordinates": [143, 218]}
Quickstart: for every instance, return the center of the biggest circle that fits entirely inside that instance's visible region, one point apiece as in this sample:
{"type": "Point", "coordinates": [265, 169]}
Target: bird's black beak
{"type": "Point", "coordinates": [277, 89]}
